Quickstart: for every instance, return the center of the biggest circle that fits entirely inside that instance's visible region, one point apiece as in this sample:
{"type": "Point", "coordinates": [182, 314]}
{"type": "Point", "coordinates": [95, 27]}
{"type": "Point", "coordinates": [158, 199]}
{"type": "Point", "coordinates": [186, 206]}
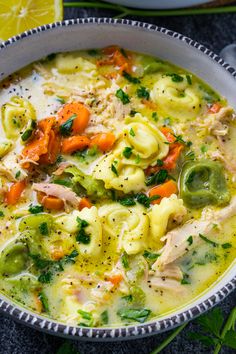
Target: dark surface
{"type": "Point", "coordinates": [215, 32]}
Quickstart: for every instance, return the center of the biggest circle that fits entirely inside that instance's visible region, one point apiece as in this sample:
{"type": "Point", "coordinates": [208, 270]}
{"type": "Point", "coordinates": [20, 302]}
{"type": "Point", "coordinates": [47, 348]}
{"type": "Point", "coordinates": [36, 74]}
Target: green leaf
{"type": "Point", "coordinates": [82, 223]}
{"type": "Point", "coordinates": [114, 170]}
{"type": "Point", "coordinates": [43, 228]}
{"type": "Point", "coordinates": [35, 209]}
{"type": "Point", "coordinates": [190, 240]}
{"type": "Point", "coordinates": [127, 152]}
{"type": "Point", "coordinates": [175, 77]}
{"type": "Point", "coordinates": [133, 80]}
{"type": "Point", "coordinates": [150, 255]}
{"type": "Point", "coordinates": [45, 277]}
{"type": "Point", "coordinates": [65, 128]}
{"type": "Point", "coordinates": [185, 280]}
{"type": "Point", "coordinates": [122, 96]}
{"type": "Point", "coordinates": [188, 77]}
{"type": "Point", "coordinates": [226, 245]}
{"type": "Point", "coordinates": [43, 298]}
{"type": "Point", "coordinates": [127, 201]}
{"type": "Point", "coordinates": [85, 315]}
{"type": "Point", "coordinates": [212, 321]}
{"type": "Point", "coordinates": [104, 317]}
{"type": "Point", "coordinates": [204, 238]}
{"type": "Point", "coordinates": [1, 213]}
{"type": "Point", "coordinates": [157, 178]}
{"type": "Point", "coordinates": [207, 341]}
{"type": "Point", "coordinates": [139, 315]}
{"type": "Point", "coordinates": [160, 163]}
{"type": "Point", "coordinates": [125, 261]}
{"type": "Point", "coordinates": [62, 182]}
{"type": "Point", "coordinates": [83, 237]}
{"type": "Point", "coordinates": [155, 116]}
{"type": "Point", "coordinates": [143, 92]}
{"type": "Point", "coordinates": [230, 339]}
{"type": "Point", "coordinates": [132, 113]}
{"type": "Point", "coordinates": [132, 133]}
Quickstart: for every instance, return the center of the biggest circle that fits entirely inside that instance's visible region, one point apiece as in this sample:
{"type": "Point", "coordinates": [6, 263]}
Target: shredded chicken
{"type": "Point", "coordinates": [55, 190]}
{"type": "Point", "coordinates": [177, 240]}
{"type": "Point", "coordinates": [167, 279]}
{"type": "Point", "coordinates": [61, 168]}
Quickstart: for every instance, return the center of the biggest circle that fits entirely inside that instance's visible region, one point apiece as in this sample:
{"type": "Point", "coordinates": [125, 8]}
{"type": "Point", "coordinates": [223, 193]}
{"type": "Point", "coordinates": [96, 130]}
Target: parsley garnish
{"type": "Point", "coordinates": [190, 240]}
{"type": "Point", "coordinates": [113, 168]}
{"type": "Point", "coordinates": [226, 245]}
{"type": "Point", "coordinates": [150, 255]}
{"type": "Point", "coordinates": [130, 78]}
{"type": "Point", "coordinates": [160, 163]}
{"type": "Point", "coordinates": [204, 238]}
{"type": "Point", "coordinates": [43, 228]}
{"type": "Point", "coordinates": [127, 152]}
{"type": "Point", "coordinates": [35, 209]}
{"type": "Point", "coordinates": [1, 213]}
{"type": "Point", "coordinates": [44, 300]}
{"type": "Point", "coordinates": [122, 96]}
{"type": "Point", "coordinates": [157, 178]}
{"type": "Point", "coordinates": [104, 317]}
{"type": "Point", "coordinates": [203, 149]}
{"type": "Point", "coordinates": [127, 201]}
{"type": "Point", "coordinates": [142, 92]}
{"type": "Point", "coordinates": [175, 77]}
{"type": "Point", "coordinates": [82, 236]}
{"type": "Point", "coordinates": [60, 99]}
{"type": "Point", "coordinates": [188, 77]}
{"type": "Point", "coordinates": [125, 261]}
{"type": "Point", "coordinates": [132, 113]}
{"type": "Point", "coordinates": [137, 159]}
{"type": "Point", "coordinates": [65, 128]}
{"type": "Point", "coordinates": [155, 116]}
{"type": "Point", "coordinates": [139, 315]}
{"type": "Point", "coordinates": [17, 174]}
{"type": "Point", "coordinates": [185, 280]}
{"type": "Point", "coordinates": [132, 133]}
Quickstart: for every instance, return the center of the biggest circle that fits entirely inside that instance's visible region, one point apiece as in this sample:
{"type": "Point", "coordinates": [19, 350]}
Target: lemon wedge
{"type": "Point", "coordinates": [16, 16]}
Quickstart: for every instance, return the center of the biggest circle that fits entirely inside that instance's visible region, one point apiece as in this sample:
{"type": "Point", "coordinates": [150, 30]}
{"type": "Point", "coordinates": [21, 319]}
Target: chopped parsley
{"type": "Point", "coordinates": [189, 80]}
{"type": "Point", "coordinates": [141, 198]}
{"type": "Point", "coordinates": [62, 182]}
{"type": "Point", "coordinates": [127, 201]}
{"type": "Point", "coordinates": [132, 133]}
{"type": "Point", "coordinates": [142, 92]}
{"type": "Point", "coordinates": [137, 159]}
{"type": "Point", "coordinates": [43, 228]}
{"type": "Point", "coordinates": [35, 209]}
{"type": "Point", "coordinates": [44, 300]}
{"type": "Point", "coordinates": [204, 149]}
{"type": "Point", "coordinates": [226, 245]}
{"type": "Point", "coordinates": [65, 128]}
{"type": "Point", "coordinates": [17, 174]}
{"type": "Point", "coordinates": [122, 96]}
{"type": "Point", "coordinates": [60, 99]}
{"type": "Point", "coordinates": [139, 315]}
{"type": "Point", "coordinates": [114, 169]}
{"type": "Point", "coordinates": [1, 213]}
{"type": "Point", "coordinates": [204, 238]}
{"type": "Point", "coordinates": [132, 113]}
{"type": "Point", "coordinates": [82, 236]}
{"type": "Point", "coordinates": [150, 255]}
{"type": "Point", "coordinates": [104, 317]}
{"type": "Point", "coordinates": [160, 163]}
{"type": "Point", "coordinates": [185, 280]}
{"type": "Point", "coordinates": [155, 116]}
{"type": "Point", "coordinates": [175, 77]}
{"type": "Point", "coordinates": [87, 316]}
{"type": "Point", "coordinates": [190, 240]}
{"type": "Point", "coordinates": [133, 80]}
{"type": "Point", "coordinates": [158, 178]}
{"type": "Point", "coordinates": [127, 152]}
{"type": "Point", "coordinates": [125, 261]}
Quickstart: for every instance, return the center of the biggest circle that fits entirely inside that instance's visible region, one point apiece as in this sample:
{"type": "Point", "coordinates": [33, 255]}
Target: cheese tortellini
{"type": "Point", "coordinates": [161, 213]}
{"type": "Point", "coordinates": [176, 98]}
{"type": "Point", "coordinates": [115, 174]}
{"type": "Point", "coordinates": [70, 224]}
{"type": "Point", "coordinates": [17, 116]}
{"type": "Point", "coordinates": [69, 64]}
{"type": "Point", "coordinates": [129, 224]}
{"type": "Point", "coordinates": [146, 140]}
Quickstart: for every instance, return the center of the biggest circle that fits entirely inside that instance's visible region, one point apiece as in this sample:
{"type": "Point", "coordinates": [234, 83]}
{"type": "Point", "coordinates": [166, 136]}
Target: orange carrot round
{"type": "Point", "coordinates": [104, 141]}
{"type": "Point", "coordinates": [14, 193]}
{"type": "Point", "coordinates": [163, 190]}
{"type": "Point", "coordinates": [74, 143]}
{"type": "Point", "coordinates": [85, 203]}
{"type": "Point", "coordinates": [79, 113]}
{"type": "Point", "coordinates": [115, 279]}
{"type": "Point", "coordinates": [50, 202]}
{"type": "Point", "coordinates": [168, 134]}
{"type": "Point", "coordinates": [215, 108]}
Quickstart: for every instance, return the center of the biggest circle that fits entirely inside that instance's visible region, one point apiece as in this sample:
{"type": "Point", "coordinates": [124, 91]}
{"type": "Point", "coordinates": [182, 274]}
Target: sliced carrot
{"type": "Point", "coordinates": [117, 58]}
{"type": "Point", "coordinates": [14, 193]}
{"type": "Point", "coordinates": [215, 108]}
{"type": "Point", "coordinates": [115, 279]}
{"type": "Point", "coordinates": [57, 254]}
{"type": "Point", "coordinates": [104, 141]}
{"type": "Point", "coordinates": [39, 144]}
{"type": "Point", "coordinates": [163, 190]}
{"type": "Point", "coordinates": [150, 104]}
{"type": "Point", "coordinates": [74, 143]}
{"type": "Point", "coordinates": [168, 134]}
{"type": "Point", "coordinates": [169, 162]}
{"type": "Point", "coordinates": [53, 149]}
{"type": "Point", "coordinates": [50, 202]}
{"type": "Point", "coordinates": [85, 203]}
{"type": "Point", "coordinates": [79, 112]}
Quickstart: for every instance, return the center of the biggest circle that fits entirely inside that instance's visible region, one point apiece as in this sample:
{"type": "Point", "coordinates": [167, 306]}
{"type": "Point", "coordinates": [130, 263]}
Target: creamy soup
{"type": "Point", "coordinates": [117, 186]}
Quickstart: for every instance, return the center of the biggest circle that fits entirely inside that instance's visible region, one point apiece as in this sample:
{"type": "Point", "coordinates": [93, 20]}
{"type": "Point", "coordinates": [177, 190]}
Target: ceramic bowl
{"type": "Point", "coordinates": [159, 4]}
{"type": "Point", "coordinates": [142, 37]}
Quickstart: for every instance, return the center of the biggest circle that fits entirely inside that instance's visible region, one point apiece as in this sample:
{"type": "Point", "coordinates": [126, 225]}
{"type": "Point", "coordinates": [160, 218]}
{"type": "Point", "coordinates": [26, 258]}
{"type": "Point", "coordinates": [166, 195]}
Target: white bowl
{"type": "Point", "coordinates": [159, 4]}
{"type": "Point", "coordinates": [97, 33]}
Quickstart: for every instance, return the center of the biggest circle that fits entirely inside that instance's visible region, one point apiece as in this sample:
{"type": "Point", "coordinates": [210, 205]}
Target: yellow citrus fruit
{"type": "Point", "coordinates": [16, 16]}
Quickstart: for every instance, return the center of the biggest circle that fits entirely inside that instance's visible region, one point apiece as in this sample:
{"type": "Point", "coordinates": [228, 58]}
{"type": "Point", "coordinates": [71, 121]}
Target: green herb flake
{"type": "Point", "coordinates": [175, 77]}
{"type": "Point", "coordinates": [17, 175]}
{"type": "Point", "coordinates": [204, 148]}
{"type": "Point", "coordinates": [62, 182]}
{"type": "Point", "coordinates": [125, 261]}
{"type": "Point", "coordinates": [158, 178]}
{"type": "Point", "coordinates": [204, 238]}
{"type": "Point", "coordinates": [114, 169]}
{"type": "Point", "coordinates": [104, 317]}
{"type": "Point", "coordinates": [226, 245]}
{"type": "Point", "coordinates": [155, 116]}
{"type": "Point", "coordinates": [190, 240]}
{"type": "Point", "coordinates": [85, 315]}
{"type": "Point", "coordinates": [43, 228]}
{"type": "Point", "coordinates": [137, 159]}
{"type": "Point", "coordinates": [27, 134]}
{"type": "Point", "coordinates": [150, 255]}
{"type": "Point", "coordinates": [122, 96]}
{"type": "Point", "coordinates": [45, 277]}
{"type": "Point", "coordinates": [60, 100]}
{"type": "Point", "coordinates": [189, 80]}
{"type": "Point", "coordinates": [93, 52]}
{"type": "Point", "coordinates": [185, 280]}
{"type": "Point", "coordinates": [127, 201]}
{"type": "Point", "coordinates": [160, 163]}
{"type": "Point", "coordinates": [132, 113]}
{"type": "Point", "coordinates": [82, 236]}
{"type": "Point", "coordinates": [1, 213]}
{"type": "Point", "coordinates": [128, 298]}
{"type": "Point", "coordinates": [127, 152]}
{"type": "Point", "coordinates": [139, 315]}
{"type": "Point", "coordinates": [44, 300]}
{"type": "Point", "coordinates": [35, 209]}
{"type": "Point", "coordinates": [128, 77]}
{"type": "Point", "coordinates": [65, 128]}
{"type": "Point", "coordinates": [131, 132]}
{"type": "Point", "coordinates": [142, 92]}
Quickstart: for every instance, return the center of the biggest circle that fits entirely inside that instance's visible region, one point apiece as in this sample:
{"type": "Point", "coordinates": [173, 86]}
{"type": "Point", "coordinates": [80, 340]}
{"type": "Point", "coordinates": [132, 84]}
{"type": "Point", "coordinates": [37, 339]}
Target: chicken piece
{"type": "Point", "coordinates": [10, 166]}
{"type": "Point", "coordinates": [167, 279]}
{"type": "Point", "coordinates": [177, 240]}
{"type": "Point", "coordinates": [55, 190]}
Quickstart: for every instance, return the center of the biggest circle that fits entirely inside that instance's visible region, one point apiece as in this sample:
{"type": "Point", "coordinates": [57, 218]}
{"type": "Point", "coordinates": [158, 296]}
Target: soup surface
{"type": "Point", "coordinates": [117, 178]}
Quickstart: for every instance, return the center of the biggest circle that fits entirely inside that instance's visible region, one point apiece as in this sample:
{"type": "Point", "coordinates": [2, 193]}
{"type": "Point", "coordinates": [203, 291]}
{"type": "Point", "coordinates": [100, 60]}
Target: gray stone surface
{"type": "Point", "coordinates": [214, 31]}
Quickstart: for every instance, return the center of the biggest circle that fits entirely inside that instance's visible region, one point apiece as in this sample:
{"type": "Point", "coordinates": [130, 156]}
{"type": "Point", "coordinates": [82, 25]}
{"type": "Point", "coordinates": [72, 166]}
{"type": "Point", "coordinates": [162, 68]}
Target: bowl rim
{"type": "Point", "coordinates": [133, 331]}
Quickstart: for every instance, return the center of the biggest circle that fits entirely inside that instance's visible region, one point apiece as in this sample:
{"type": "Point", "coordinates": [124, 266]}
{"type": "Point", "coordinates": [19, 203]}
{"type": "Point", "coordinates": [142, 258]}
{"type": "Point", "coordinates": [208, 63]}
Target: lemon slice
{"type": "Point", "coordinates": [16, 16]}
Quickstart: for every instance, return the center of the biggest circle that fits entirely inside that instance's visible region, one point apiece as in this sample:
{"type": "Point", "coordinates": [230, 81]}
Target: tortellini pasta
{"type": "Point", "coordinates": [146, 140]}
{"type": "Point", "coordinates": [115, 174]}
{"type": "Point", "coordinates": [69, 64]}
{"type": "Point", "coordinates": [161, 213]}
{"type": "Point", "coordinates": [176, 98]}
{"type": "Point", "coordinates": [5, 146]}
{"type": "Point", "coordinates": [129, 224]}
{"type": "Point", "coordinates": [70, 224]}
{"type": "Point", "coordinates": [17, 117]}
